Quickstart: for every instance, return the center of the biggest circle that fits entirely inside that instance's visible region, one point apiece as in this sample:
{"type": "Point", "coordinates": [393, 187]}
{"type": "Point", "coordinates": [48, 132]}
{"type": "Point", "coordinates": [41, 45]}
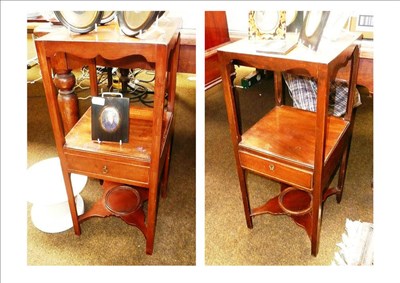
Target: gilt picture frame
{"type": "Point", "coordinates": [265, 25]}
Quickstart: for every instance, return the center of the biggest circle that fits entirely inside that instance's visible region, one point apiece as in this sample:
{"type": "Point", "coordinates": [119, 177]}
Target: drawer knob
{"type": "Point", "coordinates": [271, 167]}
{"type": "Point", "coordinates": [105, 169]}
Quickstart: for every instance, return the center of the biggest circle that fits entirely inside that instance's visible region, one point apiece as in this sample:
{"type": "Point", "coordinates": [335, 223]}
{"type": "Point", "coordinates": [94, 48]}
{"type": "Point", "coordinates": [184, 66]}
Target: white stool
{"type": "Point", "coordinates": [46, 191]}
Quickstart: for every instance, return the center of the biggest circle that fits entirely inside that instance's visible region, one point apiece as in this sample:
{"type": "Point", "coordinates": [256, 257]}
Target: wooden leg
{"type": "Point", "coordinates": [316, 227]}
{"type": "Point", "coordinates": [342, 175]}
{"type": "Point", "coordinates": [71, 202]}
{"type": "Point", "coordinates": [150, 241]}
{"type": "Point", "coordinates": [151, 218]}
{"type": "Point", "coordinates": [109, 78]}
{"type": "Point", "coordinates": [93, 78]}
{"type": "Point", "coordinates": [278, 88]}
{"type": "Point", "coordinates": [64, 80]}
{"type": "Point", "coordinates": [164, 180]}
{"type": "Point", "coordinates": [245, 198]}
{"type": "Point", "coordinates": [124, 79]}
{"type": "Point", "coordinates": [343, 165]}
{"type": "Point", "coordinates": [237, 104]}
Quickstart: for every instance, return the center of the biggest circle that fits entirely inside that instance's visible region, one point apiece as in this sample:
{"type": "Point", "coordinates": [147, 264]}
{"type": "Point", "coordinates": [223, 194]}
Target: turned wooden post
{"type": "Point", "coordinates": [64, 80]}
{"type": "Point", "coordinates": [124, 78]}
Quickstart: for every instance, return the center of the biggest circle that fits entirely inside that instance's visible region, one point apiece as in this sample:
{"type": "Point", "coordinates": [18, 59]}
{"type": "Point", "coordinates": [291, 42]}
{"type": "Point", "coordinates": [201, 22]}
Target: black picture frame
{"type": "Point", "coordinates": [110, 119]}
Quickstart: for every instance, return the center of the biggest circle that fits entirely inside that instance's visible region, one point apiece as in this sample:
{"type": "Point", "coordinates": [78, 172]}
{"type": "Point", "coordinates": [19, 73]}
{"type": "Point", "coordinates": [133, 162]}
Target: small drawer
{"type": "Point", "coordinates": [108, 169]}
{"type": "Point", "coordinates": [276, 170]}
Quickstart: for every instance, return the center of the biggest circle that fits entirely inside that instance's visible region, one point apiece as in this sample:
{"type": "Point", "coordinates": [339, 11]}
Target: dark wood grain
{"type": "Point", "coordinates": [216, 35]}
{"type": "Point", "coordinates": [289, 133]}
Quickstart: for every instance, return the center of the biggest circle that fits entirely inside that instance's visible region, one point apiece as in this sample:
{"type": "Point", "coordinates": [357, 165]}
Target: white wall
{"type": "Point", "coordinates": [237, 20]}
{"type": "Point", "coordinates": [188, 20]}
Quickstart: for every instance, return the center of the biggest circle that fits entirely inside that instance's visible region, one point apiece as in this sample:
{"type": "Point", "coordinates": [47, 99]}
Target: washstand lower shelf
{"type": "Point", "coordinates": [123, 201]}
{"type": "Point", "coordinates": [295, 203]}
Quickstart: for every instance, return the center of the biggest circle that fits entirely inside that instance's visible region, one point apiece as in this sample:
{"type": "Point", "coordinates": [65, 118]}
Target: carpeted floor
{"type": "Point", "coordinates": [274, 240]}
{"type": "Point", "coordinates": [111, 241]}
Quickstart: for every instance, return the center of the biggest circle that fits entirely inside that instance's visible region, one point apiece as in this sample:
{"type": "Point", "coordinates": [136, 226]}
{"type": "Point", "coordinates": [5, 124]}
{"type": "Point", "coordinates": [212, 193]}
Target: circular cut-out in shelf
{"type": "Point", "coordinates": [295, 201]}
{"type": "Point", "coordinates": [123, 200]}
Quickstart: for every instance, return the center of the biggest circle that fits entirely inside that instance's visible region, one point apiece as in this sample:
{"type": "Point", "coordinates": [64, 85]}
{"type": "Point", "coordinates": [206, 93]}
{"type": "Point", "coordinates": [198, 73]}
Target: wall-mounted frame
{"type": "Point", "coordinates": [364, 23]}
{"type": "Point", "coordinates": [312, 29]}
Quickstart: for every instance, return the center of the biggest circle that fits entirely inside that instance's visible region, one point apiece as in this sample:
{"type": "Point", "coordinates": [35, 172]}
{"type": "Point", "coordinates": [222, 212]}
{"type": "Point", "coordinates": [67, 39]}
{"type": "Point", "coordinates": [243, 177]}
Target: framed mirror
{"type": "Point", "coordinates": [132, 22]}
{"type": "Point", "coordinates": [294, 21]}
{"type": "Point", "coordinates": [312, 29]}
{"type": "Point", "coordinates": [107, 17]}
{"type": "Point", "coordinates": [79, 21]}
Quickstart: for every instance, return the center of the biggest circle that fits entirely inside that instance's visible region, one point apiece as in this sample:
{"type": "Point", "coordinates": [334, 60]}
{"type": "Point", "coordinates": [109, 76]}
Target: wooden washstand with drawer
{"type": "Point", "coordinates": [299, 149]}
{"type": "Point", "coordinates": [132, 172]}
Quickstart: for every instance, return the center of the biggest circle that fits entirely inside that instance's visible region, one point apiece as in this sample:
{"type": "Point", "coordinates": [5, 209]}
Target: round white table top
{"type": "Point", "coordinates": [55, 218]}
{"type": "Point", "coordinates": [45, 183]}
